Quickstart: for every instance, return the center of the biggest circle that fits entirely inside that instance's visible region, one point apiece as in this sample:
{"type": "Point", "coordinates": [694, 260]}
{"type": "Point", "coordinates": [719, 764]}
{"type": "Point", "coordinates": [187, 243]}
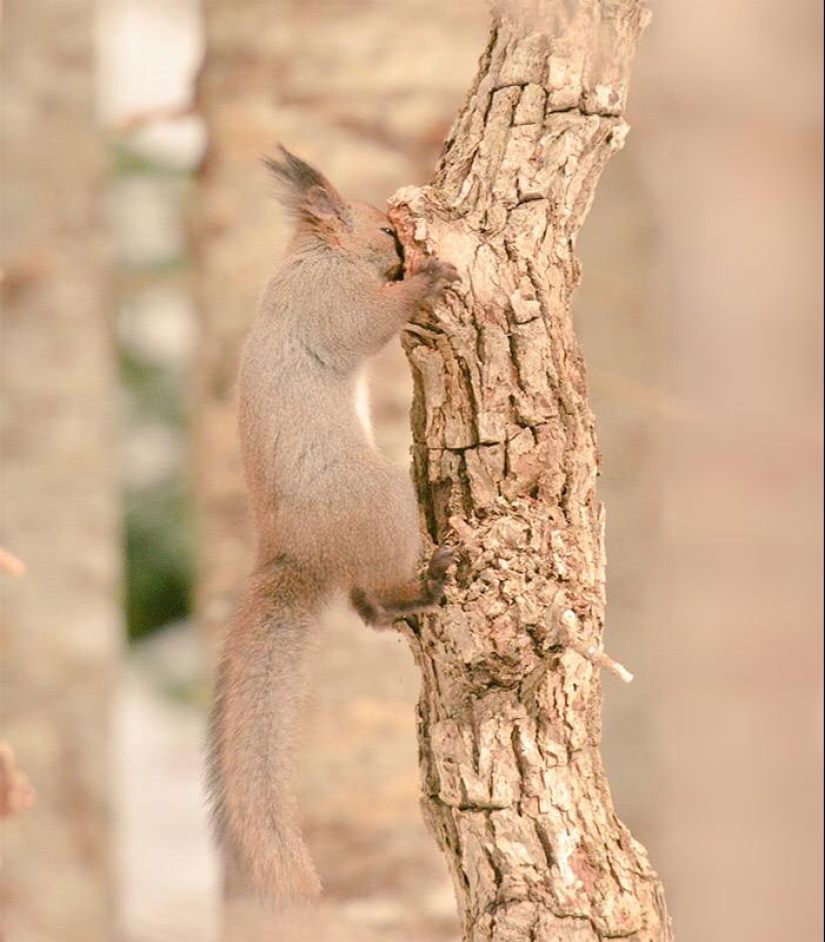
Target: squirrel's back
{"type": "Point", "coordinates": [330, 511]}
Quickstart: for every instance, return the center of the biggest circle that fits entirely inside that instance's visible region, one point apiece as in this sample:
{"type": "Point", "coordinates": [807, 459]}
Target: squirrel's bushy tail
{"type": "Point", "coordinates": [258, 697]}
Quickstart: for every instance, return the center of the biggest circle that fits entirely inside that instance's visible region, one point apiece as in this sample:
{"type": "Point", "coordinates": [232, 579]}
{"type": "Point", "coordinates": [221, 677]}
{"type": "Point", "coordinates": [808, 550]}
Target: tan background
{"type": "Point", "coordinates": [701, 317]}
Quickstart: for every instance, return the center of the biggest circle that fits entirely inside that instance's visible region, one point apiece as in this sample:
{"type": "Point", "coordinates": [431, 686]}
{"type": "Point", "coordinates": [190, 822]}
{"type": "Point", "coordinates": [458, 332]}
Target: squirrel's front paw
{"type": "Point", "coordinates": [436, 580]}
{"type": "Point", "coordinates": [437, 276]}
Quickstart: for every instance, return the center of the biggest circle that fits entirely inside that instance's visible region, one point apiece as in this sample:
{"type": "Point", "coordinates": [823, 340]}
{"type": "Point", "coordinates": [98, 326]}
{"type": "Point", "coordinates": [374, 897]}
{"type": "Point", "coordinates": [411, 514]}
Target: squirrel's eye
{"type": "Point", "coordinates": [388, 232]}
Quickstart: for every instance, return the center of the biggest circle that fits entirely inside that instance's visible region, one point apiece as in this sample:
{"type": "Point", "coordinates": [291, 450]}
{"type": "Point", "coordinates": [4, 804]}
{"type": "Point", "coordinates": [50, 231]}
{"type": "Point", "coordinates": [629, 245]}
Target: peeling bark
{"type": "Point", "coordinates": [506, 463]}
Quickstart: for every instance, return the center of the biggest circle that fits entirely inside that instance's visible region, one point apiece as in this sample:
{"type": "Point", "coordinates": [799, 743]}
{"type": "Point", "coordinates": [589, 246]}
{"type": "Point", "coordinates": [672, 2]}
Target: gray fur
{"type": "Point", "coordinates": [330, 511]}
{"type": "Point", "coordinates": [305, 192]}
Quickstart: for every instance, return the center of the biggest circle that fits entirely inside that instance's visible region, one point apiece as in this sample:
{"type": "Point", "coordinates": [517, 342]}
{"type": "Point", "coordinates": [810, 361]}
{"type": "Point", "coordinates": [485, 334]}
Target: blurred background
{"type": "Point", "coordinates": [137, 228]}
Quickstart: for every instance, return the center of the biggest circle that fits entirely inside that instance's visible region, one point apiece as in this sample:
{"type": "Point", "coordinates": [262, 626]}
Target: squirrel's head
{"type": "Point", "coordinates": [357, 230]}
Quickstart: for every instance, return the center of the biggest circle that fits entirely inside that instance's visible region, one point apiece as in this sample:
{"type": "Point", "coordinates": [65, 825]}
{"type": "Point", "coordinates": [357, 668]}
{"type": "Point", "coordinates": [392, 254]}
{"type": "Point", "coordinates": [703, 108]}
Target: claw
{"type": "Point", "coordinates": [440, 562]}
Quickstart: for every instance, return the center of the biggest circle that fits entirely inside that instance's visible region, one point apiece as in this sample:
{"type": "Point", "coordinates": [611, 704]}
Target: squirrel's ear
{"type": "Point", "coordinates": [307, 194]}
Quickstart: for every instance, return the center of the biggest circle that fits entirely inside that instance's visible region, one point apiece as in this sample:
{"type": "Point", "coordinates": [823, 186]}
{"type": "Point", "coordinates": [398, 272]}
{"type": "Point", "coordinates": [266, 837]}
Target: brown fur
{"type": "Point", "coordinates": [330, 511]}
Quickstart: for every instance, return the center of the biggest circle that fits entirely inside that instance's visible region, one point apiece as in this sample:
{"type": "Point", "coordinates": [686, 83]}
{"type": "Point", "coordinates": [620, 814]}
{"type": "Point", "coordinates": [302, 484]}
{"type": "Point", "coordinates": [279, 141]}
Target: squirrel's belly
{"type": "Point", "coordinates": [362, 406]}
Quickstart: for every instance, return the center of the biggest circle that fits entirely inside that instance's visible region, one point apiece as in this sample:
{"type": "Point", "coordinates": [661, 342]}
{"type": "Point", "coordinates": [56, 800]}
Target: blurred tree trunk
{"type": "Point", "coordinates": [231, 250]}
{"type": "Point", "coordinates": [61, 621]}
{"type": "Point", "coordinates": [234, 246]}
{"type": "Point", "coordinates": [506, 462]}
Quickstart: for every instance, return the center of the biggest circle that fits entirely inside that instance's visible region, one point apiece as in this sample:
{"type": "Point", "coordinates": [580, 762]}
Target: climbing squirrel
{"type": "Point", "coordinates": [330, 511]}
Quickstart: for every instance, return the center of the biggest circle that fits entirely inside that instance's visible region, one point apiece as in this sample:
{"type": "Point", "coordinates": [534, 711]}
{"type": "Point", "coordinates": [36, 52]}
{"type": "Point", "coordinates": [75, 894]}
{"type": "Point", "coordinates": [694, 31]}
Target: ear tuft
{"type": "Point", "coordinates": [306, 193]}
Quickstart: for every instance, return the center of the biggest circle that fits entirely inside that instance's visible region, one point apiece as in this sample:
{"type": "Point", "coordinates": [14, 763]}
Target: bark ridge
{"type": "Point", "coordinates": [506, 462]}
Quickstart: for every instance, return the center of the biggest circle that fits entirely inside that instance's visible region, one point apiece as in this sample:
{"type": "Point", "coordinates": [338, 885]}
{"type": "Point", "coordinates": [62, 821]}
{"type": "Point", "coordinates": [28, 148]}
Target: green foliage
{"type": "Point", "coordinates": [154, 393]}
{"type": "Point", "coordinates": [158, 558]}
{"type": "Point", "coordinates": [157, 520]}
{"type": "Point", "coordinates": [126, 159]}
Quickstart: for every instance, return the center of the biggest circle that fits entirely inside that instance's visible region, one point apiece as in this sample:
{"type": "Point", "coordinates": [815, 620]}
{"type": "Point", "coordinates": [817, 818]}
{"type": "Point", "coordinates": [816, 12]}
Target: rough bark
{"type": "Point", "coordinates": [506, 464]}
{"type": "Point", "coordinates": [61, 620]}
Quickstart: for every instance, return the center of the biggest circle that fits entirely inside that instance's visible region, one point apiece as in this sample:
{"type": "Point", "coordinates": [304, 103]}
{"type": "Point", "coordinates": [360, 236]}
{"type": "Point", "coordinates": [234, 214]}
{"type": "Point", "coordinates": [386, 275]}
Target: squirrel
{"type": "Point", "coordinates": [330, 511]}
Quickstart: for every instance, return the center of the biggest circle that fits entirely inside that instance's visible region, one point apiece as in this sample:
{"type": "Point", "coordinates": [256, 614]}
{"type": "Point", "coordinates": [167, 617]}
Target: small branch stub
{"type": "Point", "coordinates": [11, 564]}
{"type": "Point", "coordinates": [16, 791]}
{"type": "Point", "coordinates": [597, 656]}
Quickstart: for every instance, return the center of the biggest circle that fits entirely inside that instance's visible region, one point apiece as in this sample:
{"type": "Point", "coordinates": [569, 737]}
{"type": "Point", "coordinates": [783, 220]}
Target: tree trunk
{"type": "Point", "coordinates": [506, 464]}
{"type": "Point", "coordinates": [61, 621]}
